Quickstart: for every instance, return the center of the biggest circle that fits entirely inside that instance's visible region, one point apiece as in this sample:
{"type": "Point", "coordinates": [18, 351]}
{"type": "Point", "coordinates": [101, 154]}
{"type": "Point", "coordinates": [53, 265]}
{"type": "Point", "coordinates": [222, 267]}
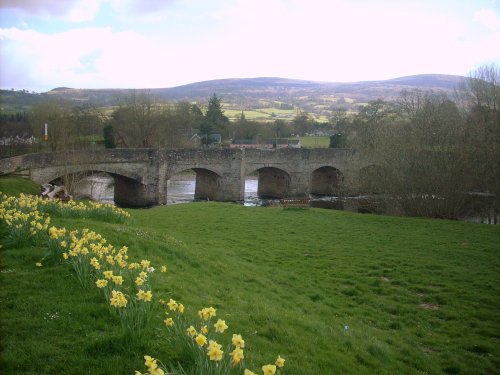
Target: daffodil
{"type": "Point", "coordinates": [150, 362]}
{"type": "Point", "coordinates": [172, 304]}
{"type": "Point", "coordinates": [269, 369]}
{"type": "Point", "coordinates": [191, 331]}
{"type": "Point", "coordinates": [214, 351]}
{"type": "Point", "coordinates": [101, 283]}
{"type": "Point", "coordinates": [95, 263]}
{"type": "Point", "coordinates": [238, 341]}
{"type": "Point", "coordinates": [237, 355]}
{"type": "Point", "coordinates": [169, 322]}
{"type": "Point", "coordinates": [207, 313]}
{"type": "Point", "coordinates": [118, 299]}
{"type": "Point", "coordinates": [144, 296]}
{"type": "Point", "coordinates": [118, 280]}
{"type": "Point", "coordinates": [280, 362]}
{"type": "Point", "coordinates": [220, 326]}
{"type": "Point", "coordinates": [248, 372]}
{"type": "Point", "coordinates": [147, 296]}
{"type": "Point", "coordinates": [163, 269]}
{"type": "Point", "coordinates": [201, 340]}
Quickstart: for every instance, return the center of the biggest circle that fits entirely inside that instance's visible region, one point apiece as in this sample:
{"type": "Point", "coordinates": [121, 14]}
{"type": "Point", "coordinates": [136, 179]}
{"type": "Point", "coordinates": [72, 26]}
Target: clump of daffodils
{"type": "Point", "coordinates": [126, 285]}
{"type": "Point", "coordinates": [202, 339]}
{"type": "Point", "coordinates": [25, 223]}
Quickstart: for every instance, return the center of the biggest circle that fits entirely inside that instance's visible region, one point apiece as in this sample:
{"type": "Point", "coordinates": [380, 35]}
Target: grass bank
{"type": "Point", "coordinates": [331, 292]}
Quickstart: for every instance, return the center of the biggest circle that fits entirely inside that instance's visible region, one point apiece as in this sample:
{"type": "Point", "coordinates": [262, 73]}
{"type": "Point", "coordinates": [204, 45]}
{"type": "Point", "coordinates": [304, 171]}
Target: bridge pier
{"type": "Point", "coordinates": [131, 193]}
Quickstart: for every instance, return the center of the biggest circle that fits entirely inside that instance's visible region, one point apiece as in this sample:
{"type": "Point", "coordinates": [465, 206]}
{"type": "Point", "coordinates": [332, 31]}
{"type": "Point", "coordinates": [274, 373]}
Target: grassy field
{"type": "Point", "coordinates": [331, 292]}
{"type": "Point", "coordinates": [315, 142]}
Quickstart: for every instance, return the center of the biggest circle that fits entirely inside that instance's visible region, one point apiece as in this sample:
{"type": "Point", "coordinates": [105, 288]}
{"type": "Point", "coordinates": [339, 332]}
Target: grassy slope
{"type": "Point", "coordinates": [15, 185]}
{"type": "Point", "coordinates": [288, 280]}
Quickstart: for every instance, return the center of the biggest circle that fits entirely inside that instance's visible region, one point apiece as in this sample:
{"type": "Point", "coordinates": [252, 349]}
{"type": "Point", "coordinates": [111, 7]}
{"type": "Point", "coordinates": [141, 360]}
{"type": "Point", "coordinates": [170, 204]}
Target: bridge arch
{"type": "Point", "coordinates": [207, 183]}
{"type": "Point", "coordinates": [128, 189]}
{"type": "Point", "coordinates": [272, 182]}
{"type": "Point", "coordinates": [326, 180]}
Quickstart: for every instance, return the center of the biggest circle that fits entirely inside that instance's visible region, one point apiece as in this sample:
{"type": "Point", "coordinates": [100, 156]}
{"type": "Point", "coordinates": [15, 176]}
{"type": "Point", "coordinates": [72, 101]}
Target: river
{"type": "Point", "coordinates": [181, 189]}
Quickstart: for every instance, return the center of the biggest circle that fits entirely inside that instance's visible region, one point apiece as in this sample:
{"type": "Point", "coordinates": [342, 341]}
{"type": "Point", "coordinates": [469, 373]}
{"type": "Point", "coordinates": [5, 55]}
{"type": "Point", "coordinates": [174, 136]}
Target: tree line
{"type": "Point", "coordinates": [432, 156]}
{"type": "Point", "coordinates": [142, 120]}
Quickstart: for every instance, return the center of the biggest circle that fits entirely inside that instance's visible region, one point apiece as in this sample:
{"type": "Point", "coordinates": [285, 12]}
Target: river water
{"type": "Point", "coordinates": [181, 189]}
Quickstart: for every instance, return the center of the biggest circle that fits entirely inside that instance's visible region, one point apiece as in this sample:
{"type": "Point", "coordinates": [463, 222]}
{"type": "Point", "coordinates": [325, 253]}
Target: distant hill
{"type": "Point", "coordinates": [263, 92]}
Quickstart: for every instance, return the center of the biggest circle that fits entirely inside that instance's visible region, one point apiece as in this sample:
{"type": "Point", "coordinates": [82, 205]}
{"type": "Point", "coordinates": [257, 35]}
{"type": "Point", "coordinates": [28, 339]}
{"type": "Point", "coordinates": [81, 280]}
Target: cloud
{"type": "Point", "coordinates": [83, 10]}
{"type": "Point", "coordinates": [83, 57]}
{"type": "Point", "coordinates": [166, 43]}
{"type": "Point", "coordinates": [488, 18]}
{"type": "Point", "coordinates": [71, 10]}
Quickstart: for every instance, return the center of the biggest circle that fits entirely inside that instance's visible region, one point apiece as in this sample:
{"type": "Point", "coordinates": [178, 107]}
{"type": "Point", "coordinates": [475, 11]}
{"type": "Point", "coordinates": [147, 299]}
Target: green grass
{"type": "Point", "coordinates": [417, 295]}
{"type": "Point", "coordinates": [315, 142]}
{"type": "Point", "coordinates": [15, 185]}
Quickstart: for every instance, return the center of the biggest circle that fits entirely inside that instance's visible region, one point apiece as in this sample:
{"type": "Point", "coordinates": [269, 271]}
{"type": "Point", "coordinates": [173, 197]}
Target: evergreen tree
{"type": "Point", "coordinates": [214, 118]}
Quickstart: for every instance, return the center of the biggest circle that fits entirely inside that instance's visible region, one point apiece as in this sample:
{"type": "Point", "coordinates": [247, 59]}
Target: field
{"type": "Point", "coordinates": [331, 292]}
{"type": "Point", "coordinates": [315, 142]}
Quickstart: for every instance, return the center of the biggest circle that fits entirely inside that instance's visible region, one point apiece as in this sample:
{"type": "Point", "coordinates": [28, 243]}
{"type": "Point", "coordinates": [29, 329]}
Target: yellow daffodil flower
{"type": "Point", "coordinates": [191, 331]}
{"type": "Point", "coordinates": [101, 283]}
{"type": "Point", "coordinates": [215, 352]}
{"type": "Point", "coordinates": [201, 340]}
{"type": "Point", "coordinates": [172, 304]}
{"type": "Point", "coordinates": [118, 280]}
{"type": "Point", "coordinates": [237, 355]}
{"type": "Point", "coordinates": [280, 362]}
{"type": "Point", "coordinates": [169, 322]}
{"type": "Point", "coordinates": [238, 341]}
{"type": "Point", "coordinates": [220, 326]}
{"type": "Point", "coordinates": [269, 369]}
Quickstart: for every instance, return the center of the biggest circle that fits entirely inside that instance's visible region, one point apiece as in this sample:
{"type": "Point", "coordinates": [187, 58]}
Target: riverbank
{"type": "Point", "coordinates": [330, 291]}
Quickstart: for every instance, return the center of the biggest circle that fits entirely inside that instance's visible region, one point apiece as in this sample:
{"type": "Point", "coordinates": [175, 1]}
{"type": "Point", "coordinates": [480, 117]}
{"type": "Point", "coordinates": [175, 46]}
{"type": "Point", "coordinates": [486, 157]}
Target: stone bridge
{"type": "Point", "coordinates": [141, 175]}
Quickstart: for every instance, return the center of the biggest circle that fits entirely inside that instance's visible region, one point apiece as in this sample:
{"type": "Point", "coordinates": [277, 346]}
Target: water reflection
{"type": "Point", "coordinates": [99, 188]}
{"type": "Point", "coordinates": [180, 190]}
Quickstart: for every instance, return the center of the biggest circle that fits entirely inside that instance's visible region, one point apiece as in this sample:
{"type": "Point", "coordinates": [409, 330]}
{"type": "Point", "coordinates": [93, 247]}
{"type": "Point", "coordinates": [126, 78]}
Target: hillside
{"type": "Point", "coordinates": [255, 93]}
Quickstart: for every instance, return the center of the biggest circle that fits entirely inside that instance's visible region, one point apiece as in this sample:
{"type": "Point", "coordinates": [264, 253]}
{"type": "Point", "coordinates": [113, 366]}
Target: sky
{"type": "Point", "coordinates": [165, 43]}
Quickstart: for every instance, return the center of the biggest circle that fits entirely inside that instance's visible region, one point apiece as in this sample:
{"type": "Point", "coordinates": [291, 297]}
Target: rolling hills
{"type": "Point", "coordinates": [253, 93]}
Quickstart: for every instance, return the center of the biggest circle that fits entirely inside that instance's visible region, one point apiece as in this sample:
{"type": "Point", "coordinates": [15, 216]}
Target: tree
{"type": "Point", "coordinates": [214, 118]}
{"type": "Point", "coordinates": [302, 123]}
{"type": "Point", "coordinates": [138, 120]}
{"type": "Point", "coordinates": [418, 154]}
{"type": "Point", "coordinates": [337, 141]}
{"type": "Point", "coordinates": [482, 145]}
{"type": "Point", "coordinates": [62, 133]}
{"type": "Point", "coordinates": [109, 136]}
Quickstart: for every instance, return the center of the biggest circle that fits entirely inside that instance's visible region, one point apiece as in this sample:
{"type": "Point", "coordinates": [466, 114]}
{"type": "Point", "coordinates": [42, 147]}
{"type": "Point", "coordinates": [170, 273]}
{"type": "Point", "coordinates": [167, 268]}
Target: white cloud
{"type": "Point", "coordinates": [335, 40]}
{"type": "Point", "coordinates": [488, 18]}
{"type": "Point", "coordinates": [84, 57]}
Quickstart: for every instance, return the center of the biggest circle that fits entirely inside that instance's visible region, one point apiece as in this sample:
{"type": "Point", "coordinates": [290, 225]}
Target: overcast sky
{"type": "Point", "coordinates": [164, 43]}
